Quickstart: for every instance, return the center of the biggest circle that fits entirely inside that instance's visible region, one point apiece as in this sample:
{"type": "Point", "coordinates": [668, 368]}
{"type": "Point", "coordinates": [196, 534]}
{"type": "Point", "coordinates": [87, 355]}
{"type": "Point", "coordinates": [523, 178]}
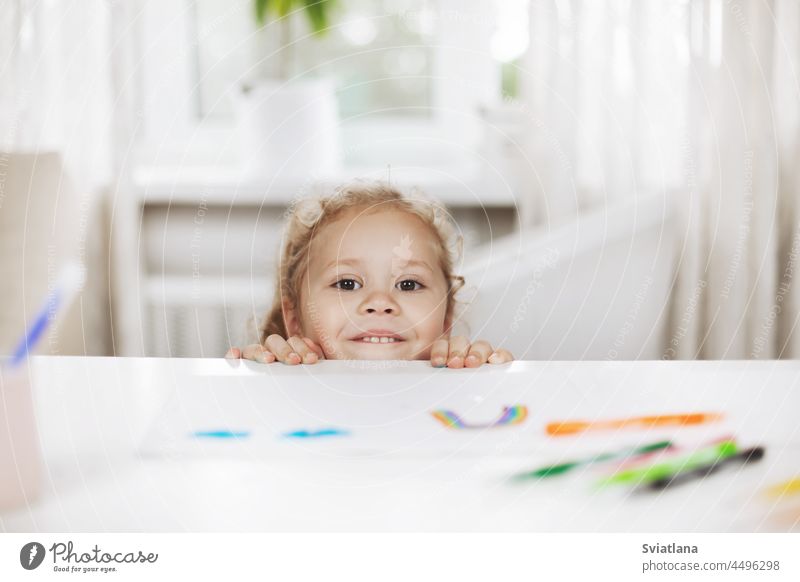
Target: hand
{"type": "Point", "coordinates": [295, 350]}
{"type": "Point", "coordinates": [457, 352]}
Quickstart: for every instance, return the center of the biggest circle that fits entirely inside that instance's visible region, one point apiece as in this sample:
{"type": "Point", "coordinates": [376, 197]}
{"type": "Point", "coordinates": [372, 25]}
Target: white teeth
{"type": "Point", "coordinates": [379, 340]}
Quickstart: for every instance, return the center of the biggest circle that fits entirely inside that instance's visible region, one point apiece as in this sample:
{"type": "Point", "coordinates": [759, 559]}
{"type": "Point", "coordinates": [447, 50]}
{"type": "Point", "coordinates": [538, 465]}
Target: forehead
{"type": "Point", "coordinates": [368, 232]}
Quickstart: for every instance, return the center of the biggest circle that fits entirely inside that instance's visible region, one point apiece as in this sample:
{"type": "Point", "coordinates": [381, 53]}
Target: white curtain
{"type": "Point", "coordinates": [697, 99]}
{"type": "Point", "coordinates": [56, 90]}
{"type": "Point", "coordinates": [56, 102]}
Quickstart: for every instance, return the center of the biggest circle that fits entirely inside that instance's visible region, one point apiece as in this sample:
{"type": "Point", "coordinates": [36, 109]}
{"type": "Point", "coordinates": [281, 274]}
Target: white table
{"type": "Point", "coordinates": [94, 412]}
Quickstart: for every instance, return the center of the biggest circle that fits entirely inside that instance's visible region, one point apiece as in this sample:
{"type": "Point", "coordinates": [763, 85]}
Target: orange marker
{"type": "Point", "coordinates": [575, 427]}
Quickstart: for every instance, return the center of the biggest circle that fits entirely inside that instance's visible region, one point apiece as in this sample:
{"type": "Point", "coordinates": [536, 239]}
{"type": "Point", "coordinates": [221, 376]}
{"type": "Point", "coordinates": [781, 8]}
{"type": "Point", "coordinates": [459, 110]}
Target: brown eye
{"type": "Point", "coordinates": [347, 284]}
{"type": "Point", "coordinates": [409, 285]}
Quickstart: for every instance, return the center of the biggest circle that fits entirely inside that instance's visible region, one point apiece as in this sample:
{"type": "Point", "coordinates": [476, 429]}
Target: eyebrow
{"type": "Point", "coordinates": [358, 262]}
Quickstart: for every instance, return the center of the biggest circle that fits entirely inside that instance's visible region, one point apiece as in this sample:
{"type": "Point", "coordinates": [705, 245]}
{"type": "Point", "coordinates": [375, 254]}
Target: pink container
{"type": "Point", "coordinates": [20, 456]}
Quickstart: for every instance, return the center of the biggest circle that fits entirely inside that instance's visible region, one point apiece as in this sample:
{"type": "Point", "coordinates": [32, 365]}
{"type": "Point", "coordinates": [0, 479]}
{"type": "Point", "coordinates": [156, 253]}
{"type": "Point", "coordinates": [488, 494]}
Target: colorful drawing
{"type": "Point", "coordinates": [314, 434]}
{"type": "Point", "coordinates": [511, 415]}
{"type": "Point", "coordinates": [640, 422]}
{"type": "Point", "coordinates": [221, 434]}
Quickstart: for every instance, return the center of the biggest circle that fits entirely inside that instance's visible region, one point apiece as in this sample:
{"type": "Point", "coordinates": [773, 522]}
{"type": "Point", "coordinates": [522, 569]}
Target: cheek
{"type": "Point", "coordinates": [330, 318]}
{"type": "Point", "coordinates": [323, 317]}
{"type": "Point", "coordinates": [431, 319]}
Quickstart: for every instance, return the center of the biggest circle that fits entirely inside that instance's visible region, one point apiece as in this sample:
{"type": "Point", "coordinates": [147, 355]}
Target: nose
{"type": "Point", "coordinates": [380, 303]}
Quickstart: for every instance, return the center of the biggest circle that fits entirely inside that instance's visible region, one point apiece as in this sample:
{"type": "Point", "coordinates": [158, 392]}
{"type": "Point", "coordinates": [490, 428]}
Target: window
{"type": "Point", "coordinates": [379, 52]}
{"type": "Point", "coordinates": [404, 69]}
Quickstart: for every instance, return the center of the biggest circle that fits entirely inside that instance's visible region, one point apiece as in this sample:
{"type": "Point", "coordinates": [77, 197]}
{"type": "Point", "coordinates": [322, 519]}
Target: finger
{"type": "Point", "coordinates": [257, 353]}
{"type": "Point", "coordinates": [501, 356]}
{"type": "Point", "coordinates": [439, 351]}
{"type": "Point", "coordinates": [252, 352]}
{"type": "Point", "coordinates": [282, 350]}
{"type": "Point", "coordinates": [316, 347]}
{"type": "Point", "coordinates": [307, 355]}
{"type": "Point", "coordinates": [234, 353]}
{"type": "Point", "coordinates": [479, 353]}
{"type": "Point", "coordinates": [459, 345]}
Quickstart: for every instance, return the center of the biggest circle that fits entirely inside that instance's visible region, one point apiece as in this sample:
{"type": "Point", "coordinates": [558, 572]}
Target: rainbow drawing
{"type": "Point", "coordinates": [511, 415]}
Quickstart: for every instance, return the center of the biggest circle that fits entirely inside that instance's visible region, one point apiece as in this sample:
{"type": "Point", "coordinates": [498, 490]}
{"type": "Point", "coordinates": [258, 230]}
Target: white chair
{"type": "Point", "coordinates": [594, 289]}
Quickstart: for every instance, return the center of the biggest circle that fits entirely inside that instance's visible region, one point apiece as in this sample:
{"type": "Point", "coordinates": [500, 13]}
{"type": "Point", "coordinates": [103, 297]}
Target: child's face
{"type": "Point", "coordinates": [373, 275]}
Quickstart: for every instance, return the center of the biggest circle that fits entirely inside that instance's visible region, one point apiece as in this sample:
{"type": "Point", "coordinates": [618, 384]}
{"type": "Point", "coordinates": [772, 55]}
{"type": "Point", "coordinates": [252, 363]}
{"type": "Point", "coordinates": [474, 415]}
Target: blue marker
{"type": "Point", "coordinates": [222, 434]}
{"type": "Point", "coordinates": [311, 434]}
{"type": "Point", "coordinates": [70, 281]}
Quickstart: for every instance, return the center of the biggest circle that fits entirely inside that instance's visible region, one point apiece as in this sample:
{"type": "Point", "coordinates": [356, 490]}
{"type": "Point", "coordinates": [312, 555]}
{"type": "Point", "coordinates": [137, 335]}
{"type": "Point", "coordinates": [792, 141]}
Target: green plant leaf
{"type": "Point", "coordinates": [280, 8]}
{"type": "Point", "coordinates": [284, 7]}
{"type": "Point", "coordinates": [318, 13]}
{"type": "Point", "coordinates": [261, 7]}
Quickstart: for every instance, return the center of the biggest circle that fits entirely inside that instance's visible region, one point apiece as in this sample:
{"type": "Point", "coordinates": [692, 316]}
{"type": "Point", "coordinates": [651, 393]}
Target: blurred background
{"type": "Point", "coordinates": [624, 173]}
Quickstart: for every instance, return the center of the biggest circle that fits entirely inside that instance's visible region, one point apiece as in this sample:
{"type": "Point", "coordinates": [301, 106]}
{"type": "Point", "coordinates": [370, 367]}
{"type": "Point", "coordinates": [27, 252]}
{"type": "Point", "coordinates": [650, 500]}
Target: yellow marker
{"type": "Point", "coordinates": [790, 487]}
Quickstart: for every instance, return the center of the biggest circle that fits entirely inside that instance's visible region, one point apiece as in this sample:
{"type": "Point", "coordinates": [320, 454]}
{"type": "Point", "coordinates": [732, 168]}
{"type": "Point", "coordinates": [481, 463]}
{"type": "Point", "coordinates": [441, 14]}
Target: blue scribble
{"type": "Point", "coordinates": [222, 434]}
{"type": "Point", "coordinates": [312, 434]}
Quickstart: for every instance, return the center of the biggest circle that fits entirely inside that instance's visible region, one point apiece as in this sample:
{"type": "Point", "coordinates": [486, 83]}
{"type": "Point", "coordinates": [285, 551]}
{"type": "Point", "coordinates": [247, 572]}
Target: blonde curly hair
{"type": "Point", "coordinates": [309, 216]}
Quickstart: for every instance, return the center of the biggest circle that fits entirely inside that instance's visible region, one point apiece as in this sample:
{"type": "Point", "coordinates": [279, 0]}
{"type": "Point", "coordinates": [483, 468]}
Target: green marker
{"type": "Point", "coordinates": [554, 470]}
{"type": "Point", "coordinates": [672, 467]}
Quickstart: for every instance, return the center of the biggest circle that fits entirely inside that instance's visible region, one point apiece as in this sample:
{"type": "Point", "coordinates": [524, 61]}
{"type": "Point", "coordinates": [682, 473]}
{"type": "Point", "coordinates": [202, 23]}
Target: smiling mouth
{"type": "Point", "coordinates": [377, 340]}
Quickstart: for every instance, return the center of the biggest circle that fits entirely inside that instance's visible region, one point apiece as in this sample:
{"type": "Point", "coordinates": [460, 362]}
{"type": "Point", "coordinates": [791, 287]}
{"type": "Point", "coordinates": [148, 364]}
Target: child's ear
{"type": "Point", "coordinates": [290, 319]}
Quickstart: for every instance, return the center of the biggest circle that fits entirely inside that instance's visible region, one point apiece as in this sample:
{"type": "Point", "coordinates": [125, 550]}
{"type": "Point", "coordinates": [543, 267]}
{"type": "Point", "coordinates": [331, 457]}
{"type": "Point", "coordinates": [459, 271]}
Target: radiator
{"type": "Point", "coordinates": [203, 318]}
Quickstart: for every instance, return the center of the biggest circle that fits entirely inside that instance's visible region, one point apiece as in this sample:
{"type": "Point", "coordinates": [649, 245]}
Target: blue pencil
{"type": "Point", "coordinates": [70, 282]}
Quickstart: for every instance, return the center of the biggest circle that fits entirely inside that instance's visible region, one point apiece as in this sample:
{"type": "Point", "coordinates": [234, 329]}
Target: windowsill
{"type": "Point", "coordinates": [465, 185]}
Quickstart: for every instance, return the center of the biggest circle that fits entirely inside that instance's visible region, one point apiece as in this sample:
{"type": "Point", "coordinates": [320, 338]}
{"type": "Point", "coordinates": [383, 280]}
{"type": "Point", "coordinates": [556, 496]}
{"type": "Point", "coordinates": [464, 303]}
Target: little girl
{"type": "Point", "coordinates": [367, 274]}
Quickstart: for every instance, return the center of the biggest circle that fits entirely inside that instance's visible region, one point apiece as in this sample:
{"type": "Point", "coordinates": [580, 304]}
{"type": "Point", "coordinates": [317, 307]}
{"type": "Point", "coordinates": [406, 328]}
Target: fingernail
{"type": "Point", "coordinates": [472, 359]}
{"type": "Point", "coordinates": [310, 358]}
{"type": "Point", "coordinates": [438, 362]}
{"type": "Point", "coordinates": [294, 357]}
{"type": "Point", "coordinates": [456, 362]}
{"type": "Point", "coordinates": [494, 359]}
